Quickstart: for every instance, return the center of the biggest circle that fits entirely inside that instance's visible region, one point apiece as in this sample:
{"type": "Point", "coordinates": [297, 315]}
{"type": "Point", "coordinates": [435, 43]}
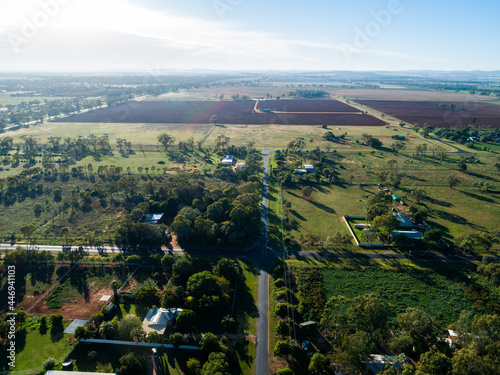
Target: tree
{"type": "Point", "coordinates": [497, 166]}
{"type": "Point", "coordinates": [147, 295]}
{"type": "Point", "coordinates": [65, 233]}
{"type": "Point", "coordinates": [28, 230]}
{"type": "Point", "coordinates": [281, 310]}
{"type": "Point", "coordinates": [203, 284]}
{"type": "Point", "coordinates": [318, 364]}
{"type": "Point", "coordinates": [419, 326]}
{"type": "Point", "coordinates": [194, 366]}
{"type": "Point", "coordinates": [213, 120]}
{"type": "Point", "coordinates": [434, 363]}
{"type": "Point", "coordinates": [462, 165]}
{"type": "Point", "coordinates": [418, 194]}
{"type": "Point", "coordinates": [216, 365]}
{"type": "Point", "coordinates": [453, 181]}
{"type": "Point", "coordinates": [127, 325]}
{"type": "Point", "coordinates": [222, 141]}
{"type": "Point", "coordinates": [398, 145]}
{"type": "Point", "coordinates": [132, 365]}
{"type": "Point", "coordinates": [307, 191]}
{"type": "Point", "coordinates": [283, 327]}
{"type": "Point", "coordinates": [154, 337]}
{"type": "Point", "coordinates": [182, 269]}
{"type": "Point", "coordinates": [176, 339]}
{"type": "Point", "coordinates": [427, 130]}
{"type": "Point", "coordinates": [433, 235]}
{"type": "Point", "coordinates": [387, 222]}
{"type": "Point", "coordinates": [166, 140]}
{"type": "Point", "coordinates": [282, 349]}
{"type": "Point", "coordinates": [228, 269]}
{"type": "Point", "coordinates": [356, 350]}
{"type": "Point", "coordinates": [209, 343]}
{"type": "Point", "coordinates": [108, 330]}
{"type": "Point", "coordinates": [441, 155]}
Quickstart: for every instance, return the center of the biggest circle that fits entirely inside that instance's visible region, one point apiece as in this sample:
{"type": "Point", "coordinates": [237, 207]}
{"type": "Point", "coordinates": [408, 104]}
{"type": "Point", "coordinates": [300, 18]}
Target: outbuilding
{"type": "Point", "coordinates": [228, 160]}
{"type": "Point", "coordinates": [404, 222]}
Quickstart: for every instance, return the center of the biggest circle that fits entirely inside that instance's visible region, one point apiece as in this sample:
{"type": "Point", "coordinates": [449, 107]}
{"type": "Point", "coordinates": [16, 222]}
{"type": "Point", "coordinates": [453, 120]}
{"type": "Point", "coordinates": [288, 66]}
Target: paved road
{"type": "Point", "coordinates": [60, 248]}
{"type": "Point", "coordinates": [262, 345]}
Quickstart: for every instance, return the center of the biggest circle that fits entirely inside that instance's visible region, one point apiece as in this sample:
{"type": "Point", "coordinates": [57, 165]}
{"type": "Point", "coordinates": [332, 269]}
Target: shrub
{"type": "Point", "coordinates": [49, 364]}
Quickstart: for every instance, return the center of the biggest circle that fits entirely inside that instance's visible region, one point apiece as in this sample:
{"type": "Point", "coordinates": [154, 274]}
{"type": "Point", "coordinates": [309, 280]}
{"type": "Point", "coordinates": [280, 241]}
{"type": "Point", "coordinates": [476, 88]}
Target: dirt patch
{"type": "Point", "coordinates": [439, 114]}
{"type": "Point", "coordinates": [80, 307]}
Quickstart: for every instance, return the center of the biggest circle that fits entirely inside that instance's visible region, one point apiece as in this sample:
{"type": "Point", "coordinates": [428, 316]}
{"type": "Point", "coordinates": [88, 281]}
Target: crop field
{"type": "Point", "coordinates": [426, 112]}
{"type": "Point", "coordinates": [410, 95]}
{"type": "Point", "coordinates": [306, 106]}
{"type": "Point", "coordinates": [437, 295]}
{"type": "Point", "coordinates": [198, 112]}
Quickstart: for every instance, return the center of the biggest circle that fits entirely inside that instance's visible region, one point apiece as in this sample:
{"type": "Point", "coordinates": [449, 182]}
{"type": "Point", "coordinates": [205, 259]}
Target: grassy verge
{"type": "Point", "coordinates": [34, 345]}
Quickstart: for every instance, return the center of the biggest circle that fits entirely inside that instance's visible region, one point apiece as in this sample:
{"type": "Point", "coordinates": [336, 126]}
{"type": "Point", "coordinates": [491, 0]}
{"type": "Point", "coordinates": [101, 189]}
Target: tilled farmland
{"type": "Point", "coordinates": [439, 114]}
{"type": "Point", "coordinates": [305, 112]}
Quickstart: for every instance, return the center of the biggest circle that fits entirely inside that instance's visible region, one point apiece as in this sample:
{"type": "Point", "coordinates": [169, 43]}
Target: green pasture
{"type": "Point", "coordinates": [7, 99]}
{"type": "Point", "coordinates": [438, 295]}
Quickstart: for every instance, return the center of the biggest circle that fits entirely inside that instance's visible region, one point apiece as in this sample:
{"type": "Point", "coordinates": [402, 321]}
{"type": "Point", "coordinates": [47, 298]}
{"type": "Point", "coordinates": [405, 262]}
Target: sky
{"type": "Point", "coordinates": [161, 35]}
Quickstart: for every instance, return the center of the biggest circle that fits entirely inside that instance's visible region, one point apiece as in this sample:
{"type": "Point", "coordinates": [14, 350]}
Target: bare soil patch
{"type": "Point", "coordinates": [428, 112]}
{"type": "Point", "coordinates": [239, 113]}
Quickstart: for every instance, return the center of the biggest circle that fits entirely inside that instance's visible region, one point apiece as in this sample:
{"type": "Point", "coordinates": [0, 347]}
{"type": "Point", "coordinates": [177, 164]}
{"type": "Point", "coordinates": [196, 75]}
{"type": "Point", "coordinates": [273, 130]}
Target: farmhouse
{"type": "Point", "coordinates": [309, 168]}
{"type": "Point", "coordinates": [228, 160]}
{"type": "Point", "coordinates": [404, 222]}
{"type": "Point", "coordinates": [159, 319]}
{"type": "Point", "coordinates": [413, 234]}
{"type": "Point", "coordinates": [299, 171]}
{"type": "Point", "coordinates": [153, 218]}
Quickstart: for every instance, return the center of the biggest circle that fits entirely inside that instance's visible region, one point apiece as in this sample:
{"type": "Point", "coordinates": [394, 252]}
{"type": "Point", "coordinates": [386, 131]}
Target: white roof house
{"type": "Point", "coordinates": [404, 221]}
{"type": "Point", "coordinates": [240, 165]}
{"type": "Point", "coordinates": [414, 234]}
{"type": "Point", "coordinates": [309, 167]}
{"type": "Point", "coordinates": [228, 160]}
{"type": "Point", "coordinates": [159, 318]}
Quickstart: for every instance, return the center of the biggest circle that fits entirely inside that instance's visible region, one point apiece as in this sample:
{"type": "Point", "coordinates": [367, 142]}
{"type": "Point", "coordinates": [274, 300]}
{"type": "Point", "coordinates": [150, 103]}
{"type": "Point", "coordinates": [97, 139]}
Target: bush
{"type": "Point", "coordinates": [279, 283]}
{"type": "Point", "coordinates": [49, 364]}
{"type": "Point", "coordinates": [284, 371]}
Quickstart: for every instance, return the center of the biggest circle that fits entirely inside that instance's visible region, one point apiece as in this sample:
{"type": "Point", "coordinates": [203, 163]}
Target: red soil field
{"type": "Point", "coordinates": [426, 112]}
{"type": "Point", "coordinates": [306, 106]}
{"type": "Point", "coordinates": [199, 112]}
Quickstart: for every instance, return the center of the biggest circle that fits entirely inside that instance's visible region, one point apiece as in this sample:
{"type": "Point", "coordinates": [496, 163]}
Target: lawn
{"type": "Point", "coordinates": [322, 214]}
{"type": "Point", "coordinates": [279, 136]}
{"type": "Point", "coordinates": [35, 345]}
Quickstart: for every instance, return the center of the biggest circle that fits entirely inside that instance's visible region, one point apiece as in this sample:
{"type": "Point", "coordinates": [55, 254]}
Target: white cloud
{"type": "Point", "coordinates": [122, 35]}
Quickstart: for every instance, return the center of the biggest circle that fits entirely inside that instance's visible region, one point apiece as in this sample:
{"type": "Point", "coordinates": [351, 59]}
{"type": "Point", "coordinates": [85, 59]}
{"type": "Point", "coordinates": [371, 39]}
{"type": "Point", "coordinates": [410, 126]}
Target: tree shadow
{"type": "Point", "coordinates": [57, 333]}
{"type": "Point", "coordinates": [297, 215]}
{"type": "Point", "coordinates": [441, 203]}
{"type": "Point", "coordinates": [478, 197]}
{"type": "Point", "coordinates": [323, 207]}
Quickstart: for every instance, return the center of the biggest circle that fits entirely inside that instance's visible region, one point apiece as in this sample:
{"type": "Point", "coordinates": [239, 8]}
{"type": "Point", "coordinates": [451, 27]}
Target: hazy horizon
{"type": "Point", "coordinates": [240, 35]}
